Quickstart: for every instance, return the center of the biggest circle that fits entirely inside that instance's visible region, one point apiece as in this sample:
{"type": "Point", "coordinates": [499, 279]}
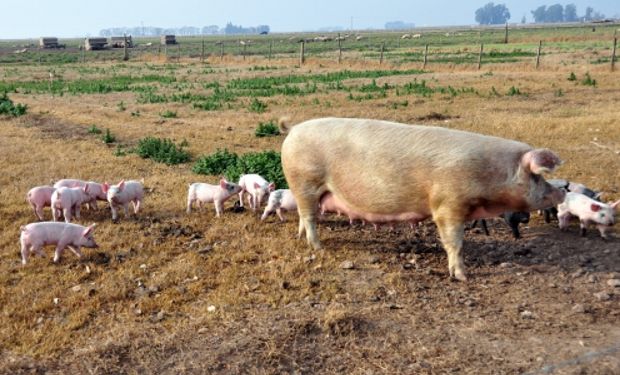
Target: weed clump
{"type": "Point", "coordinates": [7, 107]}
{"type": "Point", "coordinates": [267, 164]}
{"type": "Point", "coordinates": [267, 129]}
{"type": "Point", "coordinates": [216, 163]}
{"type": "Point", "coordinates": [162, 150]}
{"type": "Point", "coordinates": [108, 137]}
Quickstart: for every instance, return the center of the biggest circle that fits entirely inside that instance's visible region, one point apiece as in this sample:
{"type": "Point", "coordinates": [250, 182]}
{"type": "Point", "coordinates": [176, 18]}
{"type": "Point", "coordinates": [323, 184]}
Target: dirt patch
{"type": "Point", "coordinates": [435, 116]}
{"type": "Point", "coordinates": [51, 127]}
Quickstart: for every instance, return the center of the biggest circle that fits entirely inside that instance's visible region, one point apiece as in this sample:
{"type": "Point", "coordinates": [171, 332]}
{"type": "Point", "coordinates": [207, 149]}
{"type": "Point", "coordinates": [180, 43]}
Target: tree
{"type": "Point", "coordinates": [492, 14]}
{"type": "Point", "coordinates": [540, 14]}
{"type": "Point", "coordinates": [555, 13]}
{"type": "Point", "coordinates": [523, 20]}
{"type": "Point", "coordinates": [588, 16]}
{"type": "Point", "coordinates": [570, 13]}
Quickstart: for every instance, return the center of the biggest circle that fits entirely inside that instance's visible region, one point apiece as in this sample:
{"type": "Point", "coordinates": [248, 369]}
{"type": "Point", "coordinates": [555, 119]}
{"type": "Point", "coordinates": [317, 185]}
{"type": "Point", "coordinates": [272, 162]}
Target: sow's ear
{"type": "Point", "coordinates": [540, 160]}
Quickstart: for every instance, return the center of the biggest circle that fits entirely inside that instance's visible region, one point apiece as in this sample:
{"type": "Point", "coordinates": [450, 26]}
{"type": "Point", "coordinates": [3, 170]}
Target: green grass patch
{"type": "Point", "coordinates": [168, 114]}
{"type": "Point", "coordinates": [94, 130]}
{"type": "Point", "coordinates": [257, 106]}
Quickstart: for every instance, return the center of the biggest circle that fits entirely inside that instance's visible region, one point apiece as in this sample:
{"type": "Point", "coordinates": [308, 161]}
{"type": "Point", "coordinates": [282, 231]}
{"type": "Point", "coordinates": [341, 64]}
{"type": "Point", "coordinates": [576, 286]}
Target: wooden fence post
{"type": "Point", "coordinates": [125, 52]}
{"type": "Point", "coordinates": [245, 46]}
{"type": "Point", "coordinates": [179, 51]}
{"type": "Point", "coordinates": [202, 53]}
{"type": "Point", "coordinates": [270, 48]}
{"type": "Point", "coordinates": [425, 56]}
{"type": "Point", "coordinates": [613, 54]}
{"type": "Point", "coordinates": [302, 51]}
{"type": "Point", "coordinates": [83, 48]}
{"type": "Point", "coordinates": [480, 55]}
{"type": "Point", "coordinates": [506, 34]}
{"type": "Point", "coordinates": [339, 49]}
{"type": "Point", "coordinates": [381, 56]}
{"type": "Point", "coordinates": [538, 54]}
{"type": "Point", "coordinates": [221, 50]}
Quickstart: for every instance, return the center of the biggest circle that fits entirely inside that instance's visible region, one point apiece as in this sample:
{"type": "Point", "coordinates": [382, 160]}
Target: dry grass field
{"type": "Point", "coordinates": [172, 293]}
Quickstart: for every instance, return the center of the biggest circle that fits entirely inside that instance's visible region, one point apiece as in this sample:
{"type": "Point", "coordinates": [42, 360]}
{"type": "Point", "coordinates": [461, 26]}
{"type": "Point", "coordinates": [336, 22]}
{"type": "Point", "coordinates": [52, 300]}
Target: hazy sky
{"type": "Point", "coordinates": [73, 18]}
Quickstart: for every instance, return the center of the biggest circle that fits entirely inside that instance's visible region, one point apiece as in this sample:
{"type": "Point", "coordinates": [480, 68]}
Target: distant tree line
{"type": "Point", "coordinates": [399, 25]}
{"type": "Point", "coordinates": [492, 14]}
{"type": "Point", "coordinates": [230, 29]}
{"type": "Point", "coordinates": [567, 13]}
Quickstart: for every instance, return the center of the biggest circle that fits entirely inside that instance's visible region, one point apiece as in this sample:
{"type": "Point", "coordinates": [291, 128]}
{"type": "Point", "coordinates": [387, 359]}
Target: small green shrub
{"type": "Point", "coordinates": [267, 164]}
{"type": "Point", "coordinates": [135, 114]}
{"type": "Point", "coordinates": [513, 91]}
{"type": "Point", "coordinates": [119, 151]}
{"type": "Point", "coordinates": [588, 81]}
{"type": "Point", "coordinates": [558, 93]}
{"type": "Point", "coordinates": [216, 163]}
{"type": "Point", "coordinates": [267, 129]}
{"type": "Point", "coordinates": [161, 150]}
{"type": "Point", "coordinates": [108, 137]}
{"type": "Point", "coordinates": [121, 107]}
{"type": "Point", "coordinates": [257, 106]}
{"type": "Point", "coordinates": [8, 108]}
{"type": "Point", "coordinates": [94, 130]}
{"type": "Point", "coordinates": [572, 77]}
{"type": "Point", "coordinates": [168, 114]}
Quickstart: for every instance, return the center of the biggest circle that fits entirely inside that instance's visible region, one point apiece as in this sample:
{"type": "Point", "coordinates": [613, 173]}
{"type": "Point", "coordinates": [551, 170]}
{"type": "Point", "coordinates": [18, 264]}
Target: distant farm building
{"type": "Point", "coordinates": [91, 44]}
{"type": "Point", "coordinates": [119, 42]}
{"type": "Point", "coordinates": [49, 42]}
{"type": "Point", "coordinates": [168, 39]}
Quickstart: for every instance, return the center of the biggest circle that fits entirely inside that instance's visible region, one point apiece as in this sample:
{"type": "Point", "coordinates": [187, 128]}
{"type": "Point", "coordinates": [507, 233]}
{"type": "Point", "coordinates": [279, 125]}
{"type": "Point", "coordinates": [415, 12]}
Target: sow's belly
{"type": "Point", "coordinates": [335, 204]}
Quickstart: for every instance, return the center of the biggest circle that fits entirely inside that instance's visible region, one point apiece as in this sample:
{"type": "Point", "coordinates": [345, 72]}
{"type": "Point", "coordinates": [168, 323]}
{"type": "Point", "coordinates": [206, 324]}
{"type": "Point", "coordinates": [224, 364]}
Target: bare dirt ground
{"type": "Point", "coordinates": [174, 293]}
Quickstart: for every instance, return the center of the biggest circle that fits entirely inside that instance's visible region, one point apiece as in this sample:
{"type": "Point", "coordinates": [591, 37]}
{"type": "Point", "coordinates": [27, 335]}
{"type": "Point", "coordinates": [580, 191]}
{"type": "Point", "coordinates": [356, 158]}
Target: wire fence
{"type": "Point", "coordinates": [447, 46]}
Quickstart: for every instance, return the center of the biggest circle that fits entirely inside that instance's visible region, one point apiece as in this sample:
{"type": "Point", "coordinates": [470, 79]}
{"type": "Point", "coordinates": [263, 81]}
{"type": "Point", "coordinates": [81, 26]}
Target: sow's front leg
{"type": "Point", "coordinates": [450, 225]}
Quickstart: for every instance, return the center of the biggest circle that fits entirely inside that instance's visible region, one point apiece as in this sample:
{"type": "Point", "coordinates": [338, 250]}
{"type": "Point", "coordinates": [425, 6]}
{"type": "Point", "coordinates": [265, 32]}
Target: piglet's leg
{"type": "Point", "coordinates": [76, 250]}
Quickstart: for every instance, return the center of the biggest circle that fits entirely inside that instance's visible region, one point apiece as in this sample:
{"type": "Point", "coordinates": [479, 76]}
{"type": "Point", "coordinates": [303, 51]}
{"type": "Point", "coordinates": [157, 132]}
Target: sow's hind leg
{"type": "Point", "coordinates": [450, 226]}
{"type": "Point", "coordinates": [307, 207]}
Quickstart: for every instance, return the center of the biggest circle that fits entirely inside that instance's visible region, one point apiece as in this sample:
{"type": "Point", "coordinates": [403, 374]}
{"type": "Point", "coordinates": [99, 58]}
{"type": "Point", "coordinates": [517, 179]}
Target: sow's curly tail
{"type": "Point", "coordinates": [284, 124]}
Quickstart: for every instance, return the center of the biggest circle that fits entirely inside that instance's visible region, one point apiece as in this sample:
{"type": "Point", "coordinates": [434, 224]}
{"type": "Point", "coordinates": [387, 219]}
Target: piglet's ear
{"type": "Point", "coordinates": [272, 186]}
{"type": "Point", "coordinates": [223, 183]}
{"type": "Point", "coordinates": [595, 207]}
{"type": "Point", "coordinates": [89, 229]}
{"type": "Point", "coordinates": [86, 188]}
{"type": "Point", "coordinates": [540, 160]}
{"type": "Point", "coordinates": [256, 185]}
{"type": "Point", "coordinates": [105, 187]}
{"type": "Point", "coordinates": [615, 206]}
{"type": "Point", "coordinates": [121, 185]}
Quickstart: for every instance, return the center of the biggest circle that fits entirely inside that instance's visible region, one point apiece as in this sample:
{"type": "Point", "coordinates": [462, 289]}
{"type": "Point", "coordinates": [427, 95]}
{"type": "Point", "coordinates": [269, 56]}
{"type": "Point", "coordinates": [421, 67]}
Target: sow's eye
{"type": "Point", "coordinates": [602, 214]}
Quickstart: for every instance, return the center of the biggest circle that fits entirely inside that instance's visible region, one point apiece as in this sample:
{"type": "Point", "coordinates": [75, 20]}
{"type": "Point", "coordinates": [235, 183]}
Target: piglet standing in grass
{"type": "Point", "coordinates": [121, 194]}
{"type": "Point", "coordinates": [40, 197]}
{"type": "Point", "coordinates": [207, 193]}
{"type": "Point", "coordinates": [36, 235]}
{"type": "Point", "coordinates": [69, 201]}
{"type": "Point", "coordinates": [95, 190]}
{"type": "Point", "coordinates": [257, 187]}
{"type": "Point", "coordinates": [589, 211]}
{"type": "Point", "coordinates": [280, 200]}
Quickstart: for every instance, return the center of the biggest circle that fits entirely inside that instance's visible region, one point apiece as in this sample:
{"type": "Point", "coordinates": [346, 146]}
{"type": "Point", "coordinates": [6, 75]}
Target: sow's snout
{"type": "Point", "coordinates": [550, 197]}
